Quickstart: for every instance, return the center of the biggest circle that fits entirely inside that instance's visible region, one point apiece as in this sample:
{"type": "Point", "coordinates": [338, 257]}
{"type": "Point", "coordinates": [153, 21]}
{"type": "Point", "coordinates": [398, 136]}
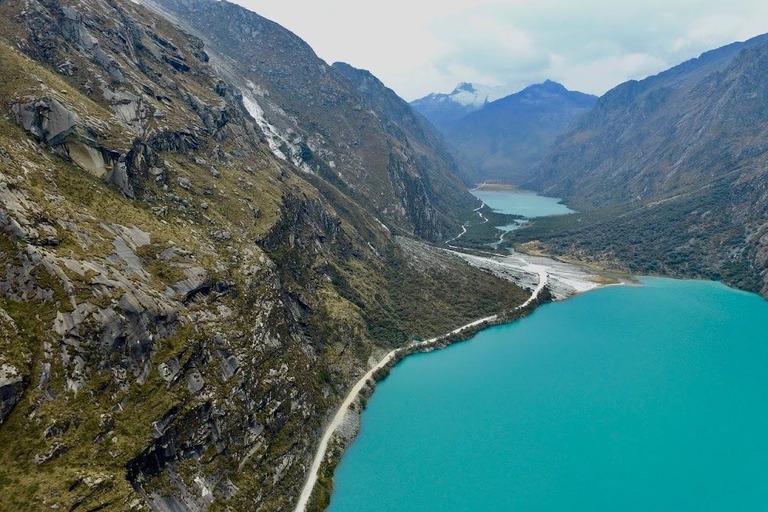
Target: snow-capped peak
{"type": "Point", "coordinates": [477, 95]}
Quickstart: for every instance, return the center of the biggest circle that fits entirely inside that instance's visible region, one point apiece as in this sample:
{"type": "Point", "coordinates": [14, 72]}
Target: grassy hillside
{"type": "Point", "coordinates": [180, 308]}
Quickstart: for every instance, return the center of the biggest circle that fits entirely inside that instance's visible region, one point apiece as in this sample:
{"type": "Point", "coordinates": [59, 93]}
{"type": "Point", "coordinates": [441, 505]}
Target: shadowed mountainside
{"type": "Point", "coordinates": [319, 120]}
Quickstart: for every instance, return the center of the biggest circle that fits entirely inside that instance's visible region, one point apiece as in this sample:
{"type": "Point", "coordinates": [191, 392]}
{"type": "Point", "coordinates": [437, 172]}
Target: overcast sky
{"type": "Point", "coordinates": [417, 47]}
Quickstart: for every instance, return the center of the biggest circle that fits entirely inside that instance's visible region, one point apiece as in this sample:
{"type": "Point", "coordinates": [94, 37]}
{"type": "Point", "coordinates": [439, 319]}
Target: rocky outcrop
{"type": "Point", "coordinates": [11, 388]}
{"type": "Point", "coordinates": [53, 123]}
{"type": "Point", "coordinates": [50, 121]}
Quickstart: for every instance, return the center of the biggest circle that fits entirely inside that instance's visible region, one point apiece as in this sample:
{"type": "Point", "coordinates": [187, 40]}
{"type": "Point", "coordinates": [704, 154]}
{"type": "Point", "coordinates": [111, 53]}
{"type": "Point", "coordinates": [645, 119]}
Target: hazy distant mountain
{"type": "Point", "coordinates": [445, 109]}
{"type": "Point", "coordinates": [507, 136]}
{"type": "Point", "coordinates": [680, 160]}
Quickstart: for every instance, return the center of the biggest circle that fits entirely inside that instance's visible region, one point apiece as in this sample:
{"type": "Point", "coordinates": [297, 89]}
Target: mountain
{"type": "Point", "coordinates": [504, 138]}
{"type": "Point", "coordinates": [314, 117]}
{"type": "Point", "coordinates": [677, 164]}
{"type": "Point", "coordinates": [647, 138]}
{"type": "Point", "coordinates": [204, 240]}
{"type": "Point", "coordinates": [442, 110]}
{"type": "Point", "coordinates": [406, 125]}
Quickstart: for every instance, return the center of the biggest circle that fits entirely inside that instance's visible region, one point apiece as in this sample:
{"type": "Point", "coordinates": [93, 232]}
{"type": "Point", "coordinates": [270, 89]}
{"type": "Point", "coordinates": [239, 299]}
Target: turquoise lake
{"type": "Point", "coordinates": [625, 398]}
{"type": "Point", "coordinates": [521, 202]}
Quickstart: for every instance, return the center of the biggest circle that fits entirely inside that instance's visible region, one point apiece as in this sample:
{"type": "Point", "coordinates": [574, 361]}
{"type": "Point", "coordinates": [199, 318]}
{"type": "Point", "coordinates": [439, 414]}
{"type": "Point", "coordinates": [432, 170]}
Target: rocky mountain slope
{"type": "Point", "coordinates": [647, 138]}
{"type": "Point", "coordinates": [673, 170]}
{"type": "Point", "coordinates": [443, 110]}
{"type": "Point", "coordinates": [406, 125]}
{"type": "Point", "coordinates": [506, 137]}
{"type": "Point", "coordinates": [195, 266]}
{"type": "Point", "coordinates": [318, 120]}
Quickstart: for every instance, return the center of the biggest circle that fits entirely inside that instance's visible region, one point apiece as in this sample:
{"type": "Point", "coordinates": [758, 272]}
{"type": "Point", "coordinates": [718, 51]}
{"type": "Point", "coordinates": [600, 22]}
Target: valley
{"type": "Point", "coordinates": [216, 243]}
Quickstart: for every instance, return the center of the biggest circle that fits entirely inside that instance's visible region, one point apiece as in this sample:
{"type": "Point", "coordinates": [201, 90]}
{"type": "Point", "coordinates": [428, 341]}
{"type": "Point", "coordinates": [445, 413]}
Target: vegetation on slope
{"type": "Point", "coordinates": [180, 309]}
{"type": "Point", "coordinates": [674, 167]}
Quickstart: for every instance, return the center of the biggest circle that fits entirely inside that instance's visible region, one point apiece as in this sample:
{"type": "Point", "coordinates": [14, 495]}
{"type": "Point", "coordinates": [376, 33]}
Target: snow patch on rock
{"type": "Point", "coordinates": [274, 139]}
{"type": "Point", "coordinates": [477, 95]}
{"type": "Point", "coordinates": [277, 141]}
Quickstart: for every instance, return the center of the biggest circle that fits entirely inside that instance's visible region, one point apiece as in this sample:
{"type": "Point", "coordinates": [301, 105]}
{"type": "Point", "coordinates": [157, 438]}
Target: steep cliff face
{"type": "Point", "coordinates": [437, 162]}
{"type": "Point", "coordinates": [314, 117]}
{"type": "Point", "coordinates": [180, 306]}
{"type": "Point", "coordinates": [686, 148]}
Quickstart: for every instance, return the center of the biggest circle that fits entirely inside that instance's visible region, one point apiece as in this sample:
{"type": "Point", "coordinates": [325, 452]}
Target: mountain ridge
{"type": "Point", "coordinates": [443, 110]}
{"type": "Point", "coordinates": [502, 139]}
{"type": "Point", "coordinates": [630, 108]}
{"type": "Point", "coordinates": [685, 148]}
{"type": "Point", "coordinates": [507, 136]}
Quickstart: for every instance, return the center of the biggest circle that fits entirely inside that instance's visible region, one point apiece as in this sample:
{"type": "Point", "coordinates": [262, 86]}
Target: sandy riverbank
{"type": "Point", "coordinates": [565, 279]}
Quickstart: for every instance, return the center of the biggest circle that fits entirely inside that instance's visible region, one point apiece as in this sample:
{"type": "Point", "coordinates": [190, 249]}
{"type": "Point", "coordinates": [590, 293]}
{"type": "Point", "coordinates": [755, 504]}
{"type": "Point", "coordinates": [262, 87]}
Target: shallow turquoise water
{"type": "Point", "coordinates": [625, 398]}
{"type": "Point", "coordinates": [512, 227]}
{"type": "Point", "coordinates": [518, 202]}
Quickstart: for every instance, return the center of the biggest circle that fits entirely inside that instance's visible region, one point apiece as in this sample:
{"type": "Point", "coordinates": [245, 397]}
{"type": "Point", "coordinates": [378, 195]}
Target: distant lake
{"type": "Point", "coordinates": [625, 398]}
{"type": "Point", "coordinates": [521, 202]}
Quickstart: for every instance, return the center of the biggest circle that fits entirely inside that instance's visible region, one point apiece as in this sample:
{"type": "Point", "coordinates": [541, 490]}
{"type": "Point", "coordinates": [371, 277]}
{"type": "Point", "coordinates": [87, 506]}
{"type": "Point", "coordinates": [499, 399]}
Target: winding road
{"type": "Point", "coordinates": [338, 418]}
{"type": "Point", "coordinates": [464, 226]}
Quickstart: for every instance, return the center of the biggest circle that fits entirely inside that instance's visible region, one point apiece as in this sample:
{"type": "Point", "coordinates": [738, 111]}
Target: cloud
{"type": "Point", "coordinates": [417, 47]}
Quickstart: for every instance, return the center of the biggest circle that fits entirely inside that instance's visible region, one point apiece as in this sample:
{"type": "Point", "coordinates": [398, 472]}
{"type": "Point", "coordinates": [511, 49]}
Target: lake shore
{"type": "Point", "coordinates": [619, 370]}
{"type": "Point", "coordinates": [498, 186]}
{"type": "Point", "coordinates": [548, 280]}
{"type": "Point", "coordinates": [565, 278]}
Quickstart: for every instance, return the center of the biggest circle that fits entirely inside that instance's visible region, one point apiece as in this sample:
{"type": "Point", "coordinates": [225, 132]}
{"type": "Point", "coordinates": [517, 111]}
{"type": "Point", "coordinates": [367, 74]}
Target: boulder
{"type": "Point", "coordinates": [48, 120]}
